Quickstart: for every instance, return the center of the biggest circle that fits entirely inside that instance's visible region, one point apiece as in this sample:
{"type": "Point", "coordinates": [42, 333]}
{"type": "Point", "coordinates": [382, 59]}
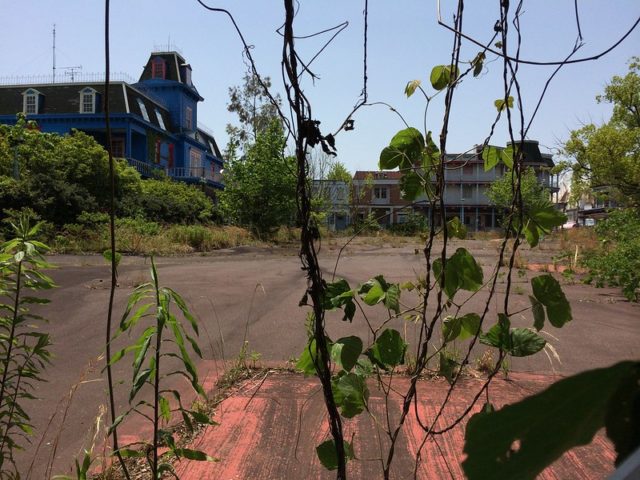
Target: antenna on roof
{"type": "Point", "coordinates": [54, 54]}
{"type": "Point", "coordinates": [71, 71]}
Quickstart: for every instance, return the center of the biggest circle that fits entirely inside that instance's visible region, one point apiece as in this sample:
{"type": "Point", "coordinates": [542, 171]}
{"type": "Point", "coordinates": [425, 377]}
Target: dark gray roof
{"type": "Point", "coordinates": [61, 98]}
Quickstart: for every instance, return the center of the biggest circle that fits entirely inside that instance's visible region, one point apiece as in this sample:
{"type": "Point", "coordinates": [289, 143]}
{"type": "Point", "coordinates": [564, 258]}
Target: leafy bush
{"type": "Point", "coordinates": [58, 176]}
{"type": "Point", "coordinates": [617, 261]}
{"type": "Point", "coordinates": [414, 224]}
{"type": "Point", "coordinates": [167, 201]}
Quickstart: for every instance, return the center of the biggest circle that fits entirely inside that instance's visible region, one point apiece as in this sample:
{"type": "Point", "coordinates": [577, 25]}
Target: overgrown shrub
{"type": "Point", "coordinates": [414, 224]}
{"type": "Point", "coordinates": [168, 201]}
{"type": "Point", "coordinates": [617, 260]}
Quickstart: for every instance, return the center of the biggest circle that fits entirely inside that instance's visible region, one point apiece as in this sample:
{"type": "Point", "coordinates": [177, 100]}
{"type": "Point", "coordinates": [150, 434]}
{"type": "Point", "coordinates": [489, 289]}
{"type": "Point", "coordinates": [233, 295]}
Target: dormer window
{"type": "Point", "coordinates": [88, 100]}
{"type": "Point", "coordinates": [158, 68]}
{"type": "Point", "coordinates": [31, 102]}
{"type": "Point", "coordinates": [160, 119]}
{"type": "Point", "coordinates": [143, 109]}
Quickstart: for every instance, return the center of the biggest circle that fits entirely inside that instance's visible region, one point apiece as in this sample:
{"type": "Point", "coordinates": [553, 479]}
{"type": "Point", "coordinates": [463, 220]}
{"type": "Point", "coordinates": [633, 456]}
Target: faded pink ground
{"type": "Point", "coordinates": [269, 429]}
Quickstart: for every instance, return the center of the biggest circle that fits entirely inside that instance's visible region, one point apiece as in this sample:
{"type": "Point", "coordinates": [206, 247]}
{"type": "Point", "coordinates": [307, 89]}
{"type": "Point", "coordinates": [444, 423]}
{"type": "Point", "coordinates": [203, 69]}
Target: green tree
{"type": "Point", "coordinates": [338, 171]}
{"type": "Point", "coordinates": [500, 192]}
{"type": "Point", "coordinates": [254, 109]}
{"type": "Point", "coordinates": [609, 155]}
{"type": "Point", "coordinates": [260, 186]}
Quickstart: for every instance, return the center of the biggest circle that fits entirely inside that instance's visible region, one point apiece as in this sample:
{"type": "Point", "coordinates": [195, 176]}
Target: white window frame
{"type": "Point", "coordinates": [196, 163]}
{"type": "Point", "coordinates": [31, 97]}
{"type": "Point", "coordinates": [143, 109]}
{"type": "Point", "coordinates": [380, 193]}
{"type": "Point", "coordinates": [160, 119]}
{"type": "Point", "coordinates": [88, 92]}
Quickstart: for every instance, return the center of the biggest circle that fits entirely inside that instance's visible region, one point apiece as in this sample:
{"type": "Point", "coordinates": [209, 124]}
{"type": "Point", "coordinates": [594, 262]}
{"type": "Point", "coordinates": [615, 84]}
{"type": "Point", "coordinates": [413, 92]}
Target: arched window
{"type": "Point", "coordinates": [31, 102]}
{"type": "Point", "coordinates": [88, 100]}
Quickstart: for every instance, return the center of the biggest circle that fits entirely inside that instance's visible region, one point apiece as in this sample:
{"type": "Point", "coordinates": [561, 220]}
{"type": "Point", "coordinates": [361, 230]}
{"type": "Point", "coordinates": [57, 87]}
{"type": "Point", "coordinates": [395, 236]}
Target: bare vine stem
{"type": "Point", "coordinates": [112, 240]}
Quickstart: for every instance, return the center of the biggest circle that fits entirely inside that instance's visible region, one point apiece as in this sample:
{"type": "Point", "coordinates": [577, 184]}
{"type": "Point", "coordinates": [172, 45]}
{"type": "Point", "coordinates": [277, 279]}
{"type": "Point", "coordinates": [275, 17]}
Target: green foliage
{"type": "Point", "coordinates": [378, 290]}
{"type": "Point", "coordinates": [328, 455]}
{"type": "Point", "coordinates": [388, 350]}
{"type": "Point", "coordinates": [260, 187]}
{"type": "Point", "coordinates": [455, 228]}
{"type": "Point", "coordinates": [414, 223]}
{"type": "Point", "coordinates": [521, 440]}
{"type": "Point", "coordinates": [23, 348]}
{"type": "Point", "coordinates": [153, 302]}
{"type": "Point", "coordinates": [345, 352]}
{"type": "Point", "coordinates": [338, 172]}
{"type": "Point", "coordinates": [254, 110]}
{"type": "Point", "coordinates": [501, 191]}
{"type": "Point", "coordinates": [169, 201]}
{"type": "Point", "coordinates": [609, 155]}
{"type": "Point", "coordinates": [461, 272]}
{"type": "Point", "coordinates": [500, 103]}
{"type": "Point", "coordinates": [59, 177]}
{"type": "Point", "coordinates": [617, 261]}
{"type": "Point", "coordinates": [461, 328]}
{"type": "Point", "coordinates": [518, 342]}
{"type": "Point", "coordinates": [547, 291]}
{"type": "Point", "coordinates": [351, 394]}
{"type": "Point", "coordinates": [443, 75]}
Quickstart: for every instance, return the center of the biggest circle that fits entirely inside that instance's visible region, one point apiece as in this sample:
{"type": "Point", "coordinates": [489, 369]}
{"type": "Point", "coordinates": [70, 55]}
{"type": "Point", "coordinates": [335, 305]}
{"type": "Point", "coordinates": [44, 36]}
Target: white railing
{"type": "Point", "coordinates": [144, 168]}
{"type": "Point", "coordinates": [61, 77]}
{"type": "Point", "coordinates": [195, 172]}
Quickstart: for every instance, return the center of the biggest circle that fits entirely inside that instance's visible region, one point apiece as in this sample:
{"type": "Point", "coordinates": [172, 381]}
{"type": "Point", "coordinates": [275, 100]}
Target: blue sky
{"type": "Point", "coordinates": [405, 42]}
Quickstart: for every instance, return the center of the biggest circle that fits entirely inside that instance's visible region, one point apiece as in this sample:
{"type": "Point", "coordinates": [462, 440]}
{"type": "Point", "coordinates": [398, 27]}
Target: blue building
{"type": "Point", "coordinates": [154, 121]}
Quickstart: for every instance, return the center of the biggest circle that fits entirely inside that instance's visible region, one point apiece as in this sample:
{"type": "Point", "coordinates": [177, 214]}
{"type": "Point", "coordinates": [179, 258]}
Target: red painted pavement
{"type": "Point", "coordinates": [269, 429]}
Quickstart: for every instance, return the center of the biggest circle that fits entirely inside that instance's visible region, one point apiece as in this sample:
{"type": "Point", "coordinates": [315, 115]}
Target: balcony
{"type": "Point", "coordinates": [201, 174]}
{"type": "Point", "coordinates": [146, 169]}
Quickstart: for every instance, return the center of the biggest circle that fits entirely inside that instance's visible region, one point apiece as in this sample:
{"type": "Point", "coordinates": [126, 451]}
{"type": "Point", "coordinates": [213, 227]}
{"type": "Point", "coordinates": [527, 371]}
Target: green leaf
{"type": "Point", "coordinates": [478, 63]}
{"type": "Point", "coordinates": [193, 455]}
{"type": "Point", "coordinates": [138, 382]}
{"type": "Point", "coordinates": [378, 290]}
{"type": "Point", "coordinates": [129, 453]}
{"type": "Point", "coordinates": [461, 272]}
{"type": "Point", "coordinates": [525, 342]}
{"type": "Point", "coordinates": [491, 157]}
{"type": "Point", "coordinates": [165, 409]}
{"type": "Point", "coordinates": [351, 394]}
{"type": "Point", "coordinates": [306, 362]}
{"type": "Point", "coordinates": [411, 87]}
{"type": "Point", "coordinates": [441, 76]}
{"type": "Point", "coordinates": [498, 336]}
{"type": "Point", "coordinates": [455, 228]}
{"type": "Point", "coordinates": [538, 313]}
{"type": "Point", "coordinates": [506, 155]}
{"type": "Point", "coordinates": [541, 218]}
{"type": "Point", "coordinates": [404, 150]}
{"type": "Point", "coordinates": [411, 185]}
{"type": "Point", "coordinates": [107, 256]}
{"type": "Point", "coordinates": [548, 292]}
{"type": "Point", "coordinates": [328, 456]}
{"type": "Point", "coordinates": [460, 327]}
{"type": "Point", "coordinates": [345, 352]}
{"type": "Point", "coordinates": [447, 365]}
{"type": "Point", "coordinates": [500, 103]}
{"type": "Point", "coordinates": [522, 439]}
{"type": "Point", "coordinates": [388, 350]}
{"type": "Point", "coordinates": [339, 295]}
